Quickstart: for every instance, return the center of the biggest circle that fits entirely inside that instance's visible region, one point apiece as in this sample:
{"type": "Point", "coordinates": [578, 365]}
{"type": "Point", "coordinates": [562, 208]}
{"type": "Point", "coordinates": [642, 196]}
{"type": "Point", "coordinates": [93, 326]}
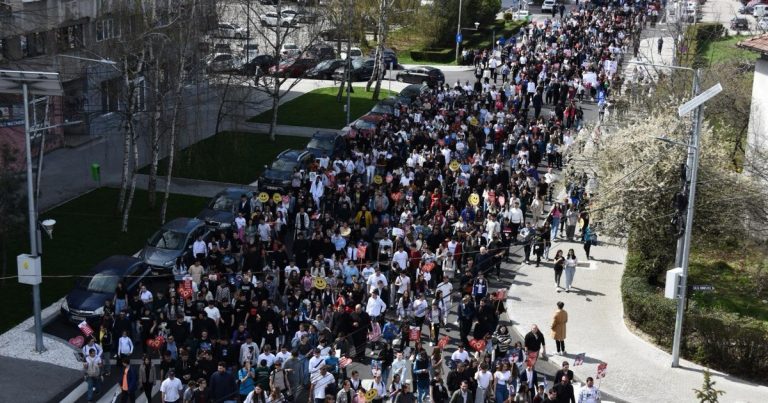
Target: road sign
{"type": "Point", "coordinates": [705, 96]}
{"type": "Point", "coordinates": [703, 287]}
{"type": "Point", "coordinates": [459, 37]}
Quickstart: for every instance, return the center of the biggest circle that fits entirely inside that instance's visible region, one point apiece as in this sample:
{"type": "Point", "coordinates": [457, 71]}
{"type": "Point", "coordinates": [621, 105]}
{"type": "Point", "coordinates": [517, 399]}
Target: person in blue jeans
{"type": "Point", "coordinates": [421, 372]}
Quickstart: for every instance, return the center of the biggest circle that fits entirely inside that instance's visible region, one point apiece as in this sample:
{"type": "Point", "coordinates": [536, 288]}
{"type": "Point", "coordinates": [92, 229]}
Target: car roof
{"type": "Point", "coordinates": [233, 192]}
{"type": "Point", "coordinates": [291, 154]}
{"type": "Point", "coordinates": [117, 264]}
{"type": "Point", "coordinates": [371, 117]}
{"type": "Point", "coordinates": [183, 224]}
{"type": "Point", "coordinates": [325, 135]}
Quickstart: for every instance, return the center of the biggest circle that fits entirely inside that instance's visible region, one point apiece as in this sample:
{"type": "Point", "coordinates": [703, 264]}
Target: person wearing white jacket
{"type": "Point", "coordinates": [125, 345]}
{"type": "Point", "coordinates": [376, 306]}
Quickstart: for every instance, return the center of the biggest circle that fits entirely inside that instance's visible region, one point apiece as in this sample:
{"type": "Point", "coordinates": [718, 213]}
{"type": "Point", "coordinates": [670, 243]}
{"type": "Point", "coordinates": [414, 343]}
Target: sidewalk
{"type": "Point", "coordinates": [648, 53]}
{"type": "Point", "coordinates": [637, 370]}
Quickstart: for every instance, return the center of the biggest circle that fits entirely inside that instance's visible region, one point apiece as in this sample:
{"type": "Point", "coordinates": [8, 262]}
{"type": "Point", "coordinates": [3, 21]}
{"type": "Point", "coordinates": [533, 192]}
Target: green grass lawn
{"type": "Point", "coordinates": [725, 49]}
{"type": "Point", "coordinates": [319, 108]}
{"type": "Point", "coordinates": [737, 290]}
{"type": "Point", "coordinates": [231, 157]}
{"type": "Point", "coordinates": [87, 231]}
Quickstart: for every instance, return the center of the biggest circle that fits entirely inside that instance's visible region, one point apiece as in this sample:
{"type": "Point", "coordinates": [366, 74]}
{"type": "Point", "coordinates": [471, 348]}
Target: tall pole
{"type": "Point", "coordinates": [349, 60]}
{"type": "Point", "coordinates": [688, 164]}
{"type": "Point", "coordinates": [247, 30]}
{"type": "Point", "coordinates": [39, 347]}
{"type": "Point", "coordinates": [458, 32]}
{"type": "Point", "coordinates": [693, 152]}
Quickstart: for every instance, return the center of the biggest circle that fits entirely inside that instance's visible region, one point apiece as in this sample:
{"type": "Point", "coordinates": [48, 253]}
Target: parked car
{"type": "Point", "coordinates": [385, 107]}
{"type": "Point", "coordinates": [320, 52]}
{"type": "Point", "coordinates": [324, 70]}
{"type": "Point", "coordinates": [746, 10]}
{"type": "Point", "coordinates": [362, 69]}
{"type": "Point", "coordinates": [548, 5]}
{"type": "Point", "coordinates": [223, 63]}
{"type": "Point", "coordinates": [422, 74]}
{"type": "Point", "coordinates": [229, 30]}
{"type": "Point", "coordinates": [334, 34]}
{"type": "Point", "coordinates": [173, 242]}
{"type": "Point", "coordinates": [327, 144]}
{"type": "Point", "coordinates": [762, 24]}
{"type": "Point", "coordinates": [221, 211]}
{"type": "Point", "coordinates": [354, 52]}
{"type": "Point", "coordinates": [258, 65]}
{"type": "Point", "coordinates": [299, 17]}
{"type": "Point", "coordinates": [289, 49]}
{"type": "Point", "coordinates": [273, 19]}
{"type": "Point", "coordinates": [739, 24]}
{"type": "Point", "coordinates": [85, 302]}
{"type": "Point", "coordinates": [293, 67]}
{"type": "Point", "coordinates": [277, 176]}
{"type": "Point", "coordinates": [413, 90]}
{"type": "Point", "coordinates": [222, 47]}
{"type": "Point", "coordinates": [521, 15]}
{"type": "Point", "coordinates": [365, 126]}
{"type": "Point", "coordinates": [389, 57]}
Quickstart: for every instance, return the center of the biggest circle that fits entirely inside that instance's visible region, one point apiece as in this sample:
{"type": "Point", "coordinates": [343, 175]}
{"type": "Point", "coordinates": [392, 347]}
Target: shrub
{"type": "Point", "coordinates": [445, 55]}
{"type": "Point", "coordinates": [648, 309]}
{"type": "Point", "coordinates": [508, 16]}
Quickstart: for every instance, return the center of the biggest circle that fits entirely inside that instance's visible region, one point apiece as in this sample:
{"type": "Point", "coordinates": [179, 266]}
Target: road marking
{"type": "Point", "coordinates": [75, 394]}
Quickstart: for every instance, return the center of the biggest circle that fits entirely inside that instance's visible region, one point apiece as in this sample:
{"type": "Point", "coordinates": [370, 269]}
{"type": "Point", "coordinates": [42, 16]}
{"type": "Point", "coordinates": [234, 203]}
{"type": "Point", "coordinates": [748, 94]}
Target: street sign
{"type": "Point", "coordinates": [459, 37]}
{"type": "Point", "coordinates": [703, 287]}
{"type": "Point", "coordinates": [705, 96]}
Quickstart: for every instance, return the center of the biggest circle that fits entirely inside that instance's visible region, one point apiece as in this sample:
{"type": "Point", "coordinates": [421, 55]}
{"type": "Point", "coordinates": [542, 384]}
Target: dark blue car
{"type": "Point", "coordinates": [86, 300]}
{"type": "Point", "coordinates": [222, 209]}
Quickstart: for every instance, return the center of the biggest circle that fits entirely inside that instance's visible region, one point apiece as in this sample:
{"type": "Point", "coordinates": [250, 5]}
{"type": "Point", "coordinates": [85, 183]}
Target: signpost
{"type": "Point", "coordinates": [705, 96]}
{"type": "Point", "coordinates": [703, 287]}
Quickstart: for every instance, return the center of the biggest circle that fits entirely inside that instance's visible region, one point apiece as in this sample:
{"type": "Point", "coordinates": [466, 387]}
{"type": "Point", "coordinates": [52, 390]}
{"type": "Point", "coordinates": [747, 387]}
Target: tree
{"type": "Point", "coordinates": [708, 393]}
{"type": "Point", "coordinates": [11, 202]}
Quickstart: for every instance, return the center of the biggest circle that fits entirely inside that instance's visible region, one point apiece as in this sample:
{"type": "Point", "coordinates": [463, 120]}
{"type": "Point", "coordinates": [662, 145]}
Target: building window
{"type": "Point", "coordinates": [32, 44]}
{"type": "Point", "coordinates": [70, 37]}
{"type": "Point", "coordinates": [110, 95]}
{"type": "Point", "coordinates": [107, 29]}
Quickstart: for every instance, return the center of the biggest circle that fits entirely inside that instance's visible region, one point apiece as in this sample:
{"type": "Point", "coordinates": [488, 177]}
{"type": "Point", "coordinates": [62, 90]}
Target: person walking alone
{"type": "Point", "coordinates": [559, 321]}
{"type": "Point", "coordinates": [570, 269]}
{"type": "Point", "coordinates": [660, 44]}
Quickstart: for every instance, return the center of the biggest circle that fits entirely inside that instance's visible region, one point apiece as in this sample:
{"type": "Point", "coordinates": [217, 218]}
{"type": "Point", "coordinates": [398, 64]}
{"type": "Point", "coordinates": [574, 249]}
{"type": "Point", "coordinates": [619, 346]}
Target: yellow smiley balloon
{"type": "Point", "coordinates": [474, 199]}
{"type": "Point", "coordinates": [377, 179]}
{"type": "Point", "coordinates": [263, 197]}
{"type": "Point", "coordinates": [319, 283]}
{"type": "Point", "coordinates": [371, 394]}
{"type": "Point", "coordinates": [277, 198]}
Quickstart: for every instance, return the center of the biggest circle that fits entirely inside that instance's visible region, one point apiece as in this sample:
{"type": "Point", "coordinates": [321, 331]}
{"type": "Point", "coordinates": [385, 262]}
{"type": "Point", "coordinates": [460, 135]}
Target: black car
{"type": "Point", "coordinates": [327, 144]}
{"type": "Point", "coordinates": [324, 70]}
{"type": "Point", "coordinates": [222, 209]}
{"type": "Point", "coordinates": [334, 34]}
{"type": "Point", "coordinates": [422, 74]}
{"type": "Point", "coordinates": [258, 65]}
{"type": "Point", "coordinates": [277, 177]}
{"type": "Point", "coordinates": [86, 300]}
{"type": "Point", "coordinates": [388, 56]}
{"type": "Point", "coordinates": [385, 107]}
{"type": "Point", "coordinates": [362, 69]}
{"type": "Point", "coordinates": [739, 23]}
{"type": "Point", "coordinates": [411, 92]}
{"type": "Point", "coordinates": [173, 242]}
{"type": "Point", "coordinates": [320, 52]}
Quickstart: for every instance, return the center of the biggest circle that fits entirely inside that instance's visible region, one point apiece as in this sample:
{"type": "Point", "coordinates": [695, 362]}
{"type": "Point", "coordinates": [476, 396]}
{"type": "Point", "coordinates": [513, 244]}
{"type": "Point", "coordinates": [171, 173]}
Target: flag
{"type": "Point", "coordinates": [85, 328]}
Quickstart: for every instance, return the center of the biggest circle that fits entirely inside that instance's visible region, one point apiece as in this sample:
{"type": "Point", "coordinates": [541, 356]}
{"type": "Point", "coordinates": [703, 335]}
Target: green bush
{"type": "Point", "coordinates": [508, 16]}
{"type": "Point", "coordinates": [445, 55]}
{"type": "Point", "coordinates": [725, 341]}
{"type": "Point", "coordinates": [697, 38]}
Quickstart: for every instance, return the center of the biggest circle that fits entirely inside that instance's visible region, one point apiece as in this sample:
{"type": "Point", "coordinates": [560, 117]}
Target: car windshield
{"type": "Point", "coordinates": [103, 283]}
{"type": "Point", "coordinates": [290, 46]}
{"type": "Point", "coordinates": [382, 108]}
{"type": "Point", "coordinates": [222, 203]}
{"type": "Point", "coordinates": [365, 124]}
{"type": "Point", "coordinates": [357, 63]}
{"type": "Point", "coordinates": [283, 165]}
{"type": "Point", "coordinates": [320, 144]}
{"type": "Point", "coordinates": [168, 239]}
{"type": "Point", "coordinates": [324, 64]}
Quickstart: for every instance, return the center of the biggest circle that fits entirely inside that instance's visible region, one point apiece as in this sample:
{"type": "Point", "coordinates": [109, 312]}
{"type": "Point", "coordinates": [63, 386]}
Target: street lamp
{"type": "Point", "coordinates": [695, 104]}
{"type": "Point", "coordinates": [24, 83]}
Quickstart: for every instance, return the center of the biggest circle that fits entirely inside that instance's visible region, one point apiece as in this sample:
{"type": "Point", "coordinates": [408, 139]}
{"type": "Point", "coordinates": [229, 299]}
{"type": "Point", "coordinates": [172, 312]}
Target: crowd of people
{"type": "Point", "coordinates": [370, 252]}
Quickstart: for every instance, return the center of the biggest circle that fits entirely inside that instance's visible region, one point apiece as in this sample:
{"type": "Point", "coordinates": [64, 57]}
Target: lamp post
{"type": "Point", "coordinates": [24, 83]}
{"type": "Point", "coordinates": [458, 33]}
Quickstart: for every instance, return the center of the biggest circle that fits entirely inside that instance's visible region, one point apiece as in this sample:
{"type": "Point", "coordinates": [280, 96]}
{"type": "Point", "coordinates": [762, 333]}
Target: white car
{"type": "Point", "coordinates": [762, 24]}
{"type": "Point", "coordinates": [548, 5]}
{"type": "Point", "coordinates": [354, 53]}
{"type": "Point", "coordinates": [223, 63]}
{"type": "Point", "coordinates": [275, 19]}
{"type": "Point", "coordinates": [521, 15]}
{"type": "Point", "coordinates": [250, 50]}
{"type": "Point", "coordinates": [226, 30]}
{"type": "Point", "coordinates": [290, 49]}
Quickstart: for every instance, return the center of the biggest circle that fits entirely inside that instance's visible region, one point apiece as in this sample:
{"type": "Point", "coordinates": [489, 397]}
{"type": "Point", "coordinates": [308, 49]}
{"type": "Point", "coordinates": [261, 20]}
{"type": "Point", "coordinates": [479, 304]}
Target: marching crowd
{"type": "Point", "coordinates": [371, 250]}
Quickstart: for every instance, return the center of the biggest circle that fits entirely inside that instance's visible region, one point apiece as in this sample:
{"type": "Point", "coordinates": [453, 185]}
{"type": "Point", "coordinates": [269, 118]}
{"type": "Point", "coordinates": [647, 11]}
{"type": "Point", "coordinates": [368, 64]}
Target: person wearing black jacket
{"type": "Point", "coordinates": [439, 392]}
{"type": "Point", "coordinates": [456, 377]}
{"type": "Point", "coordinates": [534, 341]}
{"type": "Point", "coordinates": [564, 391]}
{"type": "Point", "coordinates": [221, 387]}
{"type": "Point", "coordinates": [564, 371]}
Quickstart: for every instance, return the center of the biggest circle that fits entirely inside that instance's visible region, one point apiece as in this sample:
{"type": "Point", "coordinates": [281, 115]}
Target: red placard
{"type": "Point", "coordinates": [443, 342]}
{"type": "Point", "coordinates": [477, 344]}
{"type": "Point", "coordinates": [414, 334]}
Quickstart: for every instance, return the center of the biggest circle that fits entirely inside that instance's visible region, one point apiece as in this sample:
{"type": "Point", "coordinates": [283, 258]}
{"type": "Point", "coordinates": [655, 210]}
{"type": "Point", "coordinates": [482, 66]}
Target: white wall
{"type": "Point", "coordinates": [757, 137]}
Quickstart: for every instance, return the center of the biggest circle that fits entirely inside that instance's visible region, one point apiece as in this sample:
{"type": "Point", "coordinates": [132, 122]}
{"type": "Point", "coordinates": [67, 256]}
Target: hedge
{"type": "Point", "coordinates": [724, 341]}
{"type": "Point", "coordinates": [696, 37]}
{"type": "Point", "coordinates": [445, 55]}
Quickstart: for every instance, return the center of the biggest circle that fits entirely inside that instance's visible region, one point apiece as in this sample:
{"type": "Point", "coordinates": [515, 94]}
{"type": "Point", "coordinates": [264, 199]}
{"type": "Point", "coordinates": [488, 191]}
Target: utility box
{"type": "Point", "coordinates": [29, 271]}
{"type": "Point", "coordinates": [674, 278]}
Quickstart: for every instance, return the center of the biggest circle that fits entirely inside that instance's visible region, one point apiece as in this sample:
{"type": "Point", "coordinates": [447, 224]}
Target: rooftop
{"type": "Point", "coordinates": [757, 43]}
